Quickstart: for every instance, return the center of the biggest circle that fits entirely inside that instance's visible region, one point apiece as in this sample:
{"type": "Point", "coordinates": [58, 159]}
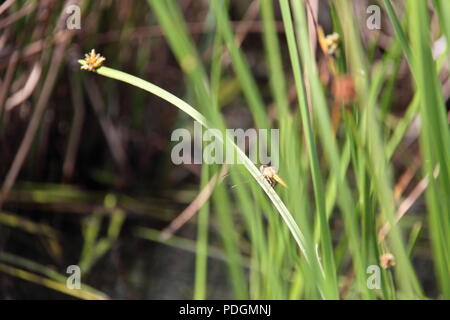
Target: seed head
{"type": "Point", "coordinates": [91, 61]}
{"type": "Point", "coordinates": [344, 89]}
{"type": "Point", "coordinates": [387, 260]}
{"type": "Point", "coordinates": [332, 42]}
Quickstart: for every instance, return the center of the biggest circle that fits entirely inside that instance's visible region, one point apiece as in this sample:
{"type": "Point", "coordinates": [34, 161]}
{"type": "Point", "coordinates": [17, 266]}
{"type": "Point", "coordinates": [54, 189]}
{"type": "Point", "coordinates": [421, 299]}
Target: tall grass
{"type": "Point", "coordinates": [317, 238]}
{"type": "Point", "coordinates": [363, 141]}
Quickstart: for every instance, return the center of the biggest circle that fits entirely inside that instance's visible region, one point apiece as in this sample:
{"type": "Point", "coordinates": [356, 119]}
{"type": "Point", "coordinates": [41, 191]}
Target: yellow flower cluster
{"type": "Point", "coordinates": [91, 61]}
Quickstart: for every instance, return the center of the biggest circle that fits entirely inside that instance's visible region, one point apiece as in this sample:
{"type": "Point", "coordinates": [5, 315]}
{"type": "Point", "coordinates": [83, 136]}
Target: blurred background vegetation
{"type": "Point", "coordinates": [87, 177]}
